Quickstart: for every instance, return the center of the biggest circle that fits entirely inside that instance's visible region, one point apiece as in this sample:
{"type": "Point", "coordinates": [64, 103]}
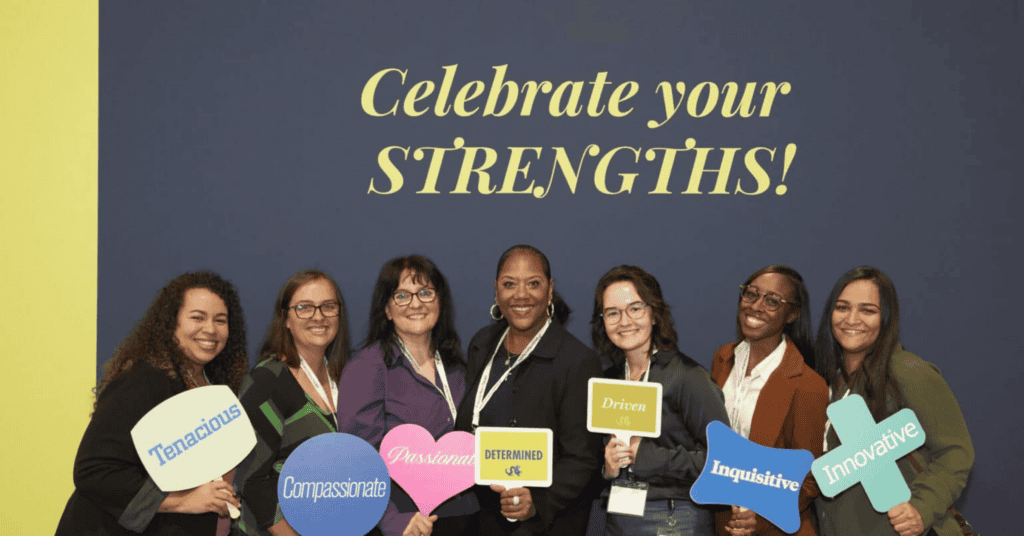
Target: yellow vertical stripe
{"type": "Point", "coordinates": [49, 65]}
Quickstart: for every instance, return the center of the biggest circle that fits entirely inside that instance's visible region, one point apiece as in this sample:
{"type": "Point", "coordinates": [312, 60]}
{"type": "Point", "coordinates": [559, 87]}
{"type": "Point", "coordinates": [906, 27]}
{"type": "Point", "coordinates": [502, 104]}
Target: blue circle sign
{"type": "Point", "coordinates": [334, 484]}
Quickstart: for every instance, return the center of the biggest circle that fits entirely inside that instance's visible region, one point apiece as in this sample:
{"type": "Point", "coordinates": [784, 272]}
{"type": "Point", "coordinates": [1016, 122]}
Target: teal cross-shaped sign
{"type": "Point", "coordinates": [868, 453]}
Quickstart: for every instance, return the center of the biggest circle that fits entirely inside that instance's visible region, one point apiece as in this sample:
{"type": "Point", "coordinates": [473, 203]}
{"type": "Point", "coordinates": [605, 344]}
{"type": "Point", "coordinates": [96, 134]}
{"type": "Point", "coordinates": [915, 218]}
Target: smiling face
{"type": "Point", "coordinates": [632, 336]}
{"type": "Point", "coordinates": [857, 319]}
{"type": "Point", "coordinates": [757, 323]}
{"type": "Point", "coordinates": [523, 292]}
{"type": "Point", "coordinates": [415, 319]}
{"type": "Point", "coordinates": [202, 329]}
{"type": "Point", "coordinates": [312, 335]}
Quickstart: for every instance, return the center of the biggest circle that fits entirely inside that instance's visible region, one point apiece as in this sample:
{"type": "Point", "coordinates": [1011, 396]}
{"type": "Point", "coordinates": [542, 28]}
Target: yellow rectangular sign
{"type": "Point", "coordinates": [513, 457]}
{"type": "Point", "coordinates": [624, 408]}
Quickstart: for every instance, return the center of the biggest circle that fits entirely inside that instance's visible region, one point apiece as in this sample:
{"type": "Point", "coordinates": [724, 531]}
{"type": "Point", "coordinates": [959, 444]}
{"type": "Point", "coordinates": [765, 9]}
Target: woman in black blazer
{"type": "Point", "coordinates": [536, 374]}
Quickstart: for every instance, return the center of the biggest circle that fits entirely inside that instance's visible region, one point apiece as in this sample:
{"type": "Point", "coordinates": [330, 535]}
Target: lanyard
{"type": "Point", "coordinates": [647, 373]}
{"type": "Point", "coordinates": [316, 384]}
{"type": "Point", "coordinates": [828, 422]}
{"type": "Point", "coordinates": [447, 392]}
{"type": "Point", "coordinates": [482, 400]}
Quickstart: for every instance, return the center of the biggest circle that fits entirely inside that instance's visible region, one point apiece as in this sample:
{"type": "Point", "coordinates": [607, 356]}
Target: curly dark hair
{"type": "Point", "coordinates": [798, 331]}
{"type": "Point", "coordinates": [562, 309]}
{"type": "Point", "coordinates": [663, 337]}
{"type": "Point", "coordinates": [443, 337]}
{"type": "Point", "coordinates": [279, 342]}
{"type": "Point", "coordinates": [874, 378]}
{"type": "Point", "coordinates": [152, 339]}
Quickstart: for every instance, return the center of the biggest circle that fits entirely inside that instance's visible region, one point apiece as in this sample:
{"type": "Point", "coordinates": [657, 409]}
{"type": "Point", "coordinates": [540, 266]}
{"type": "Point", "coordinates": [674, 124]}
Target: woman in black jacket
{"type": "Point", "coordinates": [526, 370]}
{"type": "Point", "coordinates": [632, 326]}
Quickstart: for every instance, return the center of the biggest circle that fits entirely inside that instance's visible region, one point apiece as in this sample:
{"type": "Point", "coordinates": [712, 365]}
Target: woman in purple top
{"type": "Point", "coordinates": [409, 371]}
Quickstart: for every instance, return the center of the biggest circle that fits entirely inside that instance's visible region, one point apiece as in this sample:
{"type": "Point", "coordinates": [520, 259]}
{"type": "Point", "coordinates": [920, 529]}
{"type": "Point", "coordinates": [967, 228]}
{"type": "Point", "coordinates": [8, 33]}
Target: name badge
{"type": "Point", "coordinates": [628, 497]}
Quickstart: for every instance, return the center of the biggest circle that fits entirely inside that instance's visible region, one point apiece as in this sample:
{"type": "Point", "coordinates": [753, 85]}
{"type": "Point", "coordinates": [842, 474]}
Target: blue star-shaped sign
{"type": "Point", "coordinates": [760, 478]}
{"type": "Point", "coordinates": [869, 453]}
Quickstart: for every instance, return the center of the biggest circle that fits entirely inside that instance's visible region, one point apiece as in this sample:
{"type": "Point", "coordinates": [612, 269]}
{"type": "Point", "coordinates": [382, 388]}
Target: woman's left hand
{"type": "Point", "coordinates": [906, 520]}
{"type": "Point", "coordinates": [516, 503]}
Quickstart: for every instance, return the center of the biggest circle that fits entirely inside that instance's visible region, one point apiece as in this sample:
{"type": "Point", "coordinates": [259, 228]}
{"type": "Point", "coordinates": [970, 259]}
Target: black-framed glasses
{"type": "Point", "coordinates": [403, 298]}
{"type": "Point", "coordinates": [772, 301]}
{"type": "Point", "coordinates": [636, 310]}
{"type": "Point", "coordinates": [307, 310]}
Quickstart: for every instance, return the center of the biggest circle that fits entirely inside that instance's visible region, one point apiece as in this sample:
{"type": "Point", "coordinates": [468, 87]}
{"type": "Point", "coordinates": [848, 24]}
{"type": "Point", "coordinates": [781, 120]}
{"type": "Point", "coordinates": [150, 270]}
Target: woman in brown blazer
{"type": "Point", "coordinates": [772, 394]}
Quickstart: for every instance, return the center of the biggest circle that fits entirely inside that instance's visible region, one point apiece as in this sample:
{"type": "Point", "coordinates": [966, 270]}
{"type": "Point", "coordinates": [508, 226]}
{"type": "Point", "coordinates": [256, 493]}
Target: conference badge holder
{"type": "Point", "coordinates": [628, 496]}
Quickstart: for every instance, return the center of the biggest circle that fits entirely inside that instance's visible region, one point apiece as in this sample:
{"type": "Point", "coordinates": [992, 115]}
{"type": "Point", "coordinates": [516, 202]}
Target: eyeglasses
{"type": "Point", "coordinates": [403, 298]}
{"type": "Point", "coordinates": [635, 310]}
{"type": "Point", "coordinates": [772, 301]}
{"type": "Point", "coordinates": [307, 310]}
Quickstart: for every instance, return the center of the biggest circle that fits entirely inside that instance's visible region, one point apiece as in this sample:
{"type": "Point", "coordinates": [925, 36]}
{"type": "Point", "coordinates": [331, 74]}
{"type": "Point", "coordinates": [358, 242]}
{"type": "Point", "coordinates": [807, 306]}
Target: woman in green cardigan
{"type": "Point", "coordinates": [859, 352]}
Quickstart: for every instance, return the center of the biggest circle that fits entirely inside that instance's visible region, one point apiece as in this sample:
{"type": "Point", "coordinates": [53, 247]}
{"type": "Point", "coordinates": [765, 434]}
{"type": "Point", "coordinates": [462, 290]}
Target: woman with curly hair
{"type": "Point", "coordinates": [292, 394]}
{"type": "Point", "coordinates": [193, 334]}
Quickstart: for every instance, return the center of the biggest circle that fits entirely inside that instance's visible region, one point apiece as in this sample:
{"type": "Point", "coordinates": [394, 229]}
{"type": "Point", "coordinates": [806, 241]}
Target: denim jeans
{"type": "Point", "coordinates": [670, 517]}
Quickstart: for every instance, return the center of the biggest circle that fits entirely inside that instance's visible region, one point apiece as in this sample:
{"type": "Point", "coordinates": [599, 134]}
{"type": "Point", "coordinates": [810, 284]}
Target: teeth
{"type": "Point", "coordinates": [207, 344]}
{"type": "Point", "coordinates": [753, 321]}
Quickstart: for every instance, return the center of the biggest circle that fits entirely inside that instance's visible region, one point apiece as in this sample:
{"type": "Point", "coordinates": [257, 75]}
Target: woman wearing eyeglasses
{"type": "Point", "coordinates": [772, 396]}
{"type": "Point", "coordinates": [302, 356]}
{"type": "Point", "coordinates": [526, 370]}
{"type": "Point", "coordinates": [632, 326]}
{"type": "Point", "coordinates": [409, 371]}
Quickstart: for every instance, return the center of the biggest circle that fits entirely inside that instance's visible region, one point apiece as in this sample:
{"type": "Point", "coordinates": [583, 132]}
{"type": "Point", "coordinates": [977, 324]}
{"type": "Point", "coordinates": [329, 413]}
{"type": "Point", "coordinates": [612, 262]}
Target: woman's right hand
{"type": "Point", "coordinates": [210, 497]}
{"type": "Point", "coordinates": [617, 454]}
{"type": "Point", "coordinates": [419, 525]}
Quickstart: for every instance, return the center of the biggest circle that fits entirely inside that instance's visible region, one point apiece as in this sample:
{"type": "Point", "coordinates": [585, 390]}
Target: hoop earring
{"type": "Point", "coordinates": [551, 309]}
{"type": "Point", "coordinates": [497, 316]}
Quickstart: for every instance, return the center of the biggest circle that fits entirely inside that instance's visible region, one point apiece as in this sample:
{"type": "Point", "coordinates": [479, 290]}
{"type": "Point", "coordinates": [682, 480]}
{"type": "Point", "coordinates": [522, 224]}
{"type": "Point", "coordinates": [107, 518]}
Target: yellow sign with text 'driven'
{"type": "Point", "coordinates": [513, 457]}
{"type": "Point", "coordinates": [623, 408]}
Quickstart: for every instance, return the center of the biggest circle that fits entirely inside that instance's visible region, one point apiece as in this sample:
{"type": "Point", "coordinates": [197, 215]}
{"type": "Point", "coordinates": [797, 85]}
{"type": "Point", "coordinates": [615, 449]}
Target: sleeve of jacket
{"type": "Point", "coordinates": [361, 392]}
{"type": "Point", "coordinates": [578, 448]}
{"type": "Point", "coordinates": [107, 468]}
{"type": "Point", "coordinates": [256, 474]}
{"type": "Point", "coordinates": [807, 426]}
{"type": "Point", "coordinates": [699, 401]}
{"type": "Point", "coordinates": [951, 452]}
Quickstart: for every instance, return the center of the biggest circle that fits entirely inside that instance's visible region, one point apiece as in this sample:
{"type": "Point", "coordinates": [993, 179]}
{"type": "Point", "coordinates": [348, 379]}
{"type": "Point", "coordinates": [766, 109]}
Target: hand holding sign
{"type": "Point", "coordinates": [429, 472]}
{"type": "Point", "coordinates": [189, 441]}
{"type": "Point", "coordinates": [763, 479]}
{"type": "Point", "coordinates": [869, 453]}
{"type": "Point", "coordinates": [509, 459]}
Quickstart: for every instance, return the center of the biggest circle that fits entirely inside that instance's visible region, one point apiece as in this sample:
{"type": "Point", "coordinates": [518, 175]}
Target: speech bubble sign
{"type": "Point", "coordinates": [513, 457]}
{"type": "Point", "coordinates": [623, 408]}
{"type": "Point", "coordinates": [868, 453]}
{"type": "Point", "coordinates": [763, 479]}
{"type": "Point", "coordinates": [333, 484]}
{"type": "Point", "coordinates": [430, 472]}
{"type": "Point", "coordinates": [193, 437]}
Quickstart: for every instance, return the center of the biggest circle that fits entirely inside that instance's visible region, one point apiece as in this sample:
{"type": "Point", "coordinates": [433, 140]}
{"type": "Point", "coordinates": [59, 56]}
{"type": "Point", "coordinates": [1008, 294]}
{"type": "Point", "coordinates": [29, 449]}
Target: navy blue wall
{"type": "Point", "coordinates": [232, 138]}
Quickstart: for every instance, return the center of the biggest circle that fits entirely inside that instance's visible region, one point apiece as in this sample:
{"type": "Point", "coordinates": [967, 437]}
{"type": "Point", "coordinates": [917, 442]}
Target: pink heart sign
{"type": "Point", "coordinates": [429, 472]}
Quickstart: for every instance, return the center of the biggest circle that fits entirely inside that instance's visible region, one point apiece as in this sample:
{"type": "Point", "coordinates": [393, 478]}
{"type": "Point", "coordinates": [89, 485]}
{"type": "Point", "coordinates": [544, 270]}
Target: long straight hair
{"type": "Point", "coordinates": [874, 377]}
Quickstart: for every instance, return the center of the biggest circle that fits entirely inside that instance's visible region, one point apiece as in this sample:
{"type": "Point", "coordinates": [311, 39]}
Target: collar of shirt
{"type": "Point", "coordinates": [742, 391]}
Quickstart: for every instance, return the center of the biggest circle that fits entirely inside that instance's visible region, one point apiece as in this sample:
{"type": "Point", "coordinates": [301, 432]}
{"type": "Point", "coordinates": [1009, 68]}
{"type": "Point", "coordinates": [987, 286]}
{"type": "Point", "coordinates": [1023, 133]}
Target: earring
{"type": "Point", "coordinates": [498, 315]}
{"type": "Point", "coordinates": [551, 309]}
